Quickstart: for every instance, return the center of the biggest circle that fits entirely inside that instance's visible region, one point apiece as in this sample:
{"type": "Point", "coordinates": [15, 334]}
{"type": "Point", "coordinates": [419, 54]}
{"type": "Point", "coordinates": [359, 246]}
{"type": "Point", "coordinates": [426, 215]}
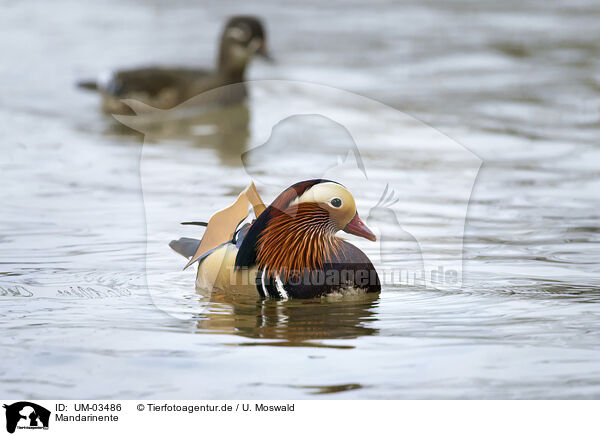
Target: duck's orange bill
{"type": "Point", "coordinates": [358, 228]}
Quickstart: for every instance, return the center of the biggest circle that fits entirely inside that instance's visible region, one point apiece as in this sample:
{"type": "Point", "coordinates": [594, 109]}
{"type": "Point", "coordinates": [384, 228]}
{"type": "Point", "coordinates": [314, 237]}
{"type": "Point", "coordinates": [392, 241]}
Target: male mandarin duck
{"type": "Point", "coordinates": [289, 251]}
{"type": "Point", "coordinates": [163, 88]}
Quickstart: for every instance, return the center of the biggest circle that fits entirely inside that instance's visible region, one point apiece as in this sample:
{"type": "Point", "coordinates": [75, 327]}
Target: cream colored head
{"type": "Point", "coordinates": [334, 198]}
{"type": "Point", "coordinates": [340, 205]}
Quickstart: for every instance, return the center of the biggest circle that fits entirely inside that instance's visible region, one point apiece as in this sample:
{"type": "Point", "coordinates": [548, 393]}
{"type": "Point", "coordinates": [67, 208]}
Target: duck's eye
{"type": "Point", "coordinates": [336, 202]}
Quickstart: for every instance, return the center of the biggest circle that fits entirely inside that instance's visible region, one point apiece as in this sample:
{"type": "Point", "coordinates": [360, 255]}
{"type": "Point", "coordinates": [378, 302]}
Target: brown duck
{"type": "Point", "coordinates": [162, 87]}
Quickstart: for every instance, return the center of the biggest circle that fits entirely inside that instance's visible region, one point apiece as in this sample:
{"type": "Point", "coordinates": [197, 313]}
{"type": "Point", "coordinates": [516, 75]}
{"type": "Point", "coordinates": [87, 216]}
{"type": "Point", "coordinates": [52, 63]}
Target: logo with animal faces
{"type": "Point", "coordinates": [400, 251]}
{"type": "Point", "coordinates": [412, 184]}
{"type": "Point", "coordinates": [25, 415]}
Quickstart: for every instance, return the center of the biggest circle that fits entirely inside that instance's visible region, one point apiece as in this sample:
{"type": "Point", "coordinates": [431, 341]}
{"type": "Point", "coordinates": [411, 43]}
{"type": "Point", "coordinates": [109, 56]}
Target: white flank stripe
{"type": "Point", "coordinates": [262, 281]}
{"type": "Point", "coordinates": [280, 288]}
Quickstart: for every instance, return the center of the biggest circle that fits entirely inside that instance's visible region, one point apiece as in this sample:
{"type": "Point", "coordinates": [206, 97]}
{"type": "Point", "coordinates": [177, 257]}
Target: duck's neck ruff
{"type": "Point", "coordinates": [297, 239]}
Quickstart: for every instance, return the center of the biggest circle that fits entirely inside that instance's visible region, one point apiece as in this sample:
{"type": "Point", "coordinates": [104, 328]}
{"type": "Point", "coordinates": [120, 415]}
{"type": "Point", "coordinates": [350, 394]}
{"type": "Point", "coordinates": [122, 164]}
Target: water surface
{"type": "Point", "coordinates": [516, 83]}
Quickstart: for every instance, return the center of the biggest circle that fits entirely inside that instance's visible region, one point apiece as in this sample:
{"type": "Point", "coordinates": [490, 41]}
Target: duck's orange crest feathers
{"type": "Point", "coordinates": [298, 239]}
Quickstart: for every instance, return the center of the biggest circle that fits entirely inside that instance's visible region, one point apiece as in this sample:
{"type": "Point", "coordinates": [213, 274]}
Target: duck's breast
{"type": "Point", "coordinates": [350, 272]}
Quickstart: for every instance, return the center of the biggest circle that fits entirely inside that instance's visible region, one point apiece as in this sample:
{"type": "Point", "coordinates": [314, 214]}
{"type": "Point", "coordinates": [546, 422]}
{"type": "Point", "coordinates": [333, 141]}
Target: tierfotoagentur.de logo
{"type": "Point", "coordinates": [25, 415]}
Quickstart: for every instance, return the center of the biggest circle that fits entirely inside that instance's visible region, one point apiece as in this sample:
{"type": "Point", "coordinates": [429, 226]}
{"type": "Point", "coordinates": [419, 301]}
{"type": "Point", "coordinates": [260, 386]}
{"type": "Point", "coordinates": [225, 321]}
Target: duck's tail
{"type": "Point", "coordinates": [187, 247]}
{"type": "Point", "coordinates": [90, 85]}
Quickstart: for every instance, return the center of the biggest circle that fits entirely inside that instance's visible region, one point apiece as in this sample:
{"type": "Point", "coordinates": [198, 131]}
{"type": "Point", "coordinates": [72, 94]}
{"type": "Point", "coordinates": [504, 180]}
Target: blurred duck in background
{"type": "Point", "coordinates": [161, 87]}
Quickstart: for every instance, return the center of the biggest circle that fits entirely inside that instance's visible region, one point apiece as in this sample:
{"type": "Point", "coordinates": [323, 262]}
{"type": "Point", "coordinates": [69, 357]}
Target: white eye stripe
{"type": "Point", "coordinates": [237, 33]}
{"type": "Point", "coordinates": [324, 193]}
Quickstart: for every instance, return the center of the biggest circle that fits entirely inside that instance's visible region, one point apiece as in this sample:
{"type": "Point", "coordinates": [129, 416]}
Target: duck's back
{"type": "Point", "coordinates": [153, 80]}
{"type": "Point", "coordinates": [165, 88]}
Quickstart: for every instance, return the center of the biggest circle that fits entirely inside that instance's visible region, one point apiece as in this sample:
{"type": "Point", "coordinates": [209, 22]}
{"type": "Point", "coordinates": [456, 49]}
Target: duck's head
{"type": "Point", "coordinates": [297, 231]}
{"type": "Point", "coordinates": [243, 38]}
{"type": "Point", "coordinates": [333, 204]}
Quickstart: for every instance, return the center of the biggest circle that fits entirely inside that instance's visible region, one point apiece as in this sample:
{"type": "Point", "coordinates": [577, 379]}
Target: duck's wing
{"type": "Point", "coordinates": [222, 226]}
{"type": "Point", "coordinates": [150, 81]}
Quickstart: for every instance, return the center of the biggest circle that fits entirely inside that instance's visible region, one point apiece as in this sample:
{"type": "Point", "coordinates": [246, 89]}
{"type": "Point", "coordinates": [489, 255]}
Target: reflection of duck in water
{"type": "Point", "coordinates": [397, 246]}
{"type": "Point", "coordinates": [290, 250]}
{"type": "Point", "coordinates": [224, 129]}
{"type": "Point", "coordinates": [294, 323]}
{"type": "Point", "coordinates": [164, 88]}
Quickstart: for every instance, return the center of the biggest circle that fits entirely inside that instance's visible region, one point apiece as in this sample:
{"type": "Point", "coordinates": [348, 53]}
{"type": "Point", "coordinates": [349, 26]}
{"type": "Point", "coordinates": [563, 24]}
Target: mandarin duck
{"type": "Point", "coordinates": [289, 251]}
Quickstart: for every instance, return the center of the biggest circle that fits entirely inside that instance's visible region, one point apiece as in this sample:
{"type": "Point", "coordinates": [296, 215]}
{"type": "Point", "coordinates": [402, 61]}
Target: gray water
{"type": "Point", "coordinates": [515, 83]}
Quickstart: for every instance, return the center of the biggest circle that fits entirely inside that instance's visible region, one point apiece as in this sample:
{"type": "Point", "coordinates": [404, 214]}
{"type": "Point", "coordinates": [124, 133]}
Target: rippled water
{"type": "Point", "coordinates": [516, 83]}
